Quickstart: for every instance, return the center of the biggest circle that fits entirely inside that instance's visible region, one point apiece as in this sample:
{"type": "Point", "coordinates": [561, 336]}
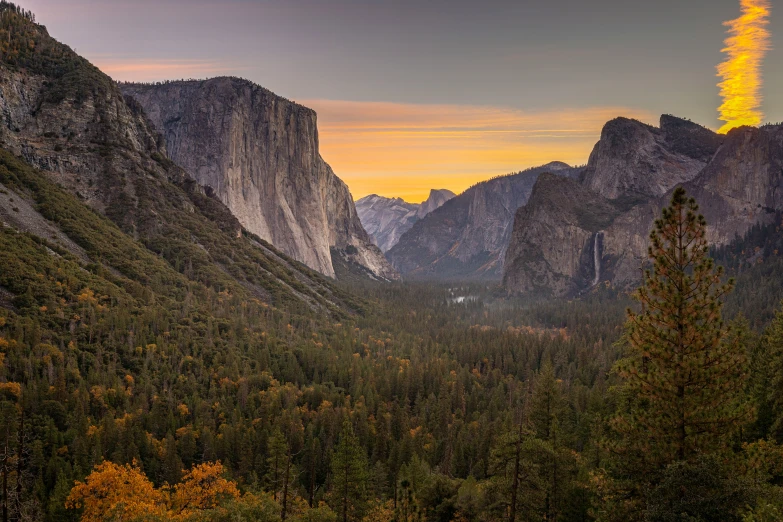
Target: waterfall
{"type": "Point", "coordinates": [599, 236]}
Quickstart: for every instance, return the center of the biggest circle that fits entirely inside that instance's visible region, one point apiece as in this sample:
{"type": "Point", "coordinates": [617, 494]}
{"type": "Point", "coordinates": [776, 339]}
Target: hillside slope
{"type": "Point", "coordinates": [467, 237]}
{"type": "Point", "coordinates": [67, 118]}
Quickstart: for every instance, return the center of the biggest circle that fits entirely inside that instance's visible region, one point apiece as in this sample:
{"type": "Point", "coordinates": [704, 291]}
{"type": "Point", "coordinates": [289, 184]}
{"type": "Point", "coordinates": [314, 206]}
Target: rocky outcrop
{"type": "Point", "coordinates": [83, 133]}
{"type": "Point", "coordinates": [259, 153]}
{"type": "Point", "coordinates": [387, 219]}
{"type": "Point", "coordinates": [637, 162]}
{"type": "Point", "coordinates": [740, 185]}
{"type": "Point", "coordinates": [557, 240]}
{"type": "Point", "coordinates": [467, 237]}
{"type": "Point", "coordinates": [743, 184]}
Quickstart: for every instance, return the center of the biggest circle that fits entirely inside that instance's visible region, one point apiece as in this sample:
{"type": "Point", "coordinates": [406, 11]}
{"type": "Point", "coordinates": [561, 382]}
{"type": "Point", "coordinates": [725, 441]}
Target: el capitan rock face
{"type": "Point", "coordinates": [468, 235]}
{"type": "Point", "coordinates": [740, 184]}
{"type": "Point", "coordinates": [259, 153]}
{"type": "Point", "coordinates": [387, 219]}
{"type": "Point", "coordinates": [68, 119]}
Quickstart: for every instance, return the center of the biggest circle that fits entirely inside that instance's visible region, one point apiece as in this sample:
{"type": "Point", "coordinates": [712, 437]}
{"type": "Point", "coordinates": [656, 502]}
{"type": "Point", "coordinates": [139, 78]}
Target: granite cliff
{"type": "Point", "coordinates": [737, 180]}
{"type": "Point", "coordinates": [259, 153]}
{"type": "Point", "coordinates": [467, 237]}
{"type": "Point", "coordinates": [436, 199]}
{"type": "Point", "coordinates": [66, 118]}
{"type": "Point", "coordinates": [556, 228]}
{"type": "Point", "coordinates": [387, 219]}
{"type": "Point", "coordinates": [635, 161]}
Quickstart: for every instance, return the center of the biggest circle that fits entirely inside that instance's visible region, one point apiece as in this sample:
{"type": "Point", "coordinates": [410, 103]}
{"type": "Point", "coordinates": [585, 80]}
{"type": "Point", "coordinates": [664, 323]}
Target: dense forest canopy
{"type": "Point", "coordinates": [423, 407]}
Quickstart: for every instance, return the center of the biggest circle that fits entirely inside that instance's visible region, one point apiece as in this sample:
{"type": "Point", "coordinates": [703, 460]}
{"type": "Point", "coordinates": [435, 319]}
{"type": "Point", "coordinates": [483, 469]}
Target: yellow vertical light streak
{"type": "Point", "coordinates": [740, 73]}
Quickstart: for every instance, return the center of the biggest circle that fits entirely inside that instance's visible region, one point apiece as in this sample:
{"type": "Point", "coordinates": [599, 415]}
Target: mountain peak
{"type": "Point", "coordinates": [633, 160]}
{"type": "Point", "coordinates": [435, 200]}
{"type": "Point", "coordinates": [387, 219]}
{"type": "Point", "coordinates": [436, 192]}
{"type": "Point", "coordinates": [556, 166]}
{"type": "Point", "coordinates": [668, 122]}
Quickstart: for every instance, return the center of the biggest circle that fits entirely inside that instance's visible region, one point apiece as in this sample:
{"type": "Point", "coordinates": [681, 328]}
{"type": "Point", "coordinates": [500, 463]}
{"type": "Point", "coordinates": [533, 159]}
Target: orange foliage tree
{"type": "Point", "coordinates": [113, 492]}
{"type": "Point", "coordinates": [203, 487]}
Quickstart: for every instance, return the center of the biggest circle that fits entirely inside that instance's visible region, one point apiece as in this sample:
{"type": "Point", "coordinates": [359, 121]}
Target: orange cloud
{"type": "Point", "coordinates": [135, 70]}
{"type": "Point", "coordinates": [404, 150]}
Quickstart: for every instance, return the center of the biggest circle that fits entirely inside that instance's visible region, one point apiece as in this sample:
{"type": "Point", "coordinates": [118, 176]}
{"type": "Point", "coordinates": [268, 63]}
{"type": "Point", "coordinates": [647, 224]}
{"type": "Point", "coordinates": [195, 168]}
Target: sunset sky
{"type": "Point", "coordinates": [413, 95]}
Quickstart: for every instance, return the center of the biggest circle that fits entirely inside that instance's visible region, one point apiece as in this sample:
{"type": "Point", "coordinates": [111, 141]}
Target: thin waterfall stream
{"type": "Point", "coordinates": [597, 246]}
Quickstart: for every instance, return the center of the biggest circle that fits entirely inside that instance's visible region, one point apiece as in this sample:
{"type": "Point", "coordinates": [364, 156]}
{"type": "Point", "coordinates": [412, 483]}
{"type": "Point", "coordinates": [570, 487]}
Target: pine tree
{"type": "Point", "coordinates": [171, 469]}
{"type": "Point", "coordinates": [549, 415]}
{"type": "Point", "coordinates": [772, 344]}
{"type": "Point", "coordinates": [276, 461]}
{"type": "Point", "coordinates": [516, 472]}
{"type": "Point", "coordinates": [349, 476]}
{"type": "Point", "coordinates": [311, 463]}
{"type": "Point", "coordinates": [682, 392]}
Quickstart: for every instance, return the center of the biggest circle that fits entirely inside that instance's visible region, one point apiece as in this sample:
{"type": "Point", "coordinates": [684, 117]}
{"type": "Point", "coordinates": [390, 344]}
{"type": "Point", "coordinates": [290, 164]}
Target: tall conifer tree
{"type": "Point", "coordinates": [684, 374]}
{"type": "Point", "coordinates": [549, 416]}
{"type": "Point", "coordinates": [773, 348]}
{"type": "Point", "coordinates": [276, 461]}
{"type": "Point", "coordinates": [349, 476]}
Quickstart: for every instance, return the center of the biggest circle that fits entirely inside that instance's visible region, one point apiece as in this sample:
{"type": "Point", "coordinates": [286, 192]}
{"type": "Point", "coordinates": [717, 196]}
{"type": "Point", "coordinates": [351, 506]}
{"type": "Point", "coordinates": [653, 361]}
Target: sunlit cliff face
{"type": "Point", "coordinates": [746, 45]}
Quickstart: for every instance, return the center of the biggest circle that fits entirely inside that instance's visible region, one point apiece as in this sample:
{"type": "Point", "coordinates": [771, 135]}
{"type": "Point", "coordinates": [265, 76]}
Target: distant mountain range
{"type": "Point", "coordinates": [574, 234]}
{"type": "Point", "coordinates": [466, 238]}
{"type": "Point", "coordinates": [200, 171]}
{"type": "Point", "coordinates": [387, 219]}
{"type": "Point", "coordinates": [560, 231]}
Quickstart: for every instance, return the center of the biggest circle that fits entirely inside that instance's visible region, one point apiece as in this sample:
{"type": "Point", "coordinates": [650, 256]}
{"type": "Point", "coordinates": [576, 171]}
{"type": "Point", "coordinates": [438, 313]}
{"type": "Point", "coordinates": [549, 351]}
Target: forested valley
{"type": "Point", "coordinates": [176, 399]}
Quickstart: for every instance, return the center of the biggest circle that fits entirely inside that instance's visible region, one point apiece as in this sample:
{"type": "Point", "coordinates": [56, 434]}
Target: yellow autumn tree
{"type": "Point", "coordinates": [114, 492]}
{"type": "Point", "coordinates": [203, 487]}
{"type": "Point", "coordinates": [11, 390]}
{"type": "Point", "coordinates": [380, 511]}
